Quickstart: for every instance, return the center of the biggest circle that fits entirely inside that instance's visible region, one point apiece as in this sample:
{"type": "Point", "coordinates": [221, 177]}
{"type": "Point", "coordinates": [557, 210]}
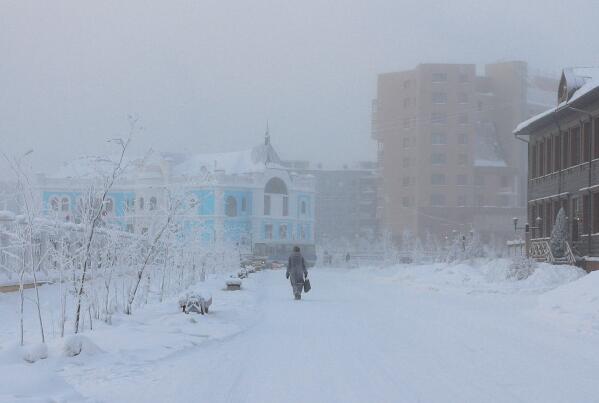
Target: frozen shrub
{"type": "Point", "coordinates": [78, 344]}
{"type": "Point", "coordinates": [35, 352]}
{"type": "Point", "coordinates": [520, 268]}
{"type": "Point", "coordinates": [474, 247]}
{"type": "Point", "coordinates": [455, 251]}
{"type": "Point", "coordinates": [194, 302]}
{"type": "Point", "coordinates": [559, 235]}
{"type": "Point", "coordinates": [72, 346]}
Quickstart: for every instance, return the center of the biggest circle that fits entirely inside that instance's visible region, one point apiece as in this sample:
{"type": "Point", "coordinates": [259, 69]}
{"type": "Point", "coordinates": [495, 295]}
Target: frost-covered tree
{"type": "Point", "coordinates": [559, 235]}
{"type": "Point", "coordinates": [474, 247]}
{"type": "Point", "coordinates": [455, 251]}
{"type": "Point", "coordinates": [26, 236]}
{"type": "Point", "coordinates": [93, 208]}
{"type": "Point", "coordinates": [390, 252]}
{"type": "Point", "coordinates": [464, 247]}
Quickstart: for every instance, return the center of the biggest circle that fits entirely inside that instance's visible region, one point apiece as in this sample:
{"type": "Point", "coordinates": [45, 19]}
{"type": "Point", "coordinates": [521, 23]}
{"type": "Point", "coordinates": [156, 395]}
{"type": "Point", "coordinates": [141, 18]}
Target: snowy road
{"type": "Point", "coordinates": [357, 338]}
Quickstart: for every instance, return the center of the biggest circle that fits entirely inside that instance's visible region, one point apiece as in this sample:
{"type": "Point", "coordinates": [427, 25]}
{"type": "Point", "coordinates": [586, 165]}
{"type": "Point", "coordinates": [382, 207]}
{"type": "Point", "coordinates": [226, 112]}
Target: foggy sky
{"type": "Point", "coordinates": [206, 75]}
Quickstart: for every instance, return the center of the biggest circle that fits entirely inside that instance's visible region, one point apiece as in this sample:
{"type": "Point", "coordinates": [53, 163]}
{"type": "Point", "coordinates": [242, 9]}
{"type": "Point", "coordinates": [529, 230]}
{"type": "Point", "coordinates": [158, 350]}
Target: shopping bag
{"type": "Point", "coordinates": [307, 286]}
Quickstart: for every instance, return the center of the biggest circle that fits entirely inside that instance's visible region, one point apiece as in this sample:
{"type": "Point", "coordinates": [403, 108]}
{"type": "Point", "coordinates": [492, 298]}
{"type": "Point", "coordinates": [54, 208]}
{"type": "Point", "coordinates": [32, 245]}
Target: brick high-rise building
{"type": "Point", "coordinates": [447, 156]}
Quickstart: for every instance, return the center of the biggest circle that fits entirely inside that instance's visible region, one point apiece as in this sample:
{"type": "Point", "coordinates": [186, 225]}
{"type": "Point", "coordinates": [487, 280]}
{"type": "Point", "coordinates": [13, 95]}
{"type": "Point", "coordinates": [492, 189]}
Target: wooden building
{"type": "Point", "coordinates": [563, 170]}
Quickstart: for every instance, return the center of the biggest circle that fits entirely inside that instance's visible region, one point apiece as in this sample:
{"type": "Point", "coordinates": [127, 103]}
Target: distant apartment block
{"type": "Point", "coordinates": [345, 200]}
{"type": "Point", "coordinates": [448, 160]}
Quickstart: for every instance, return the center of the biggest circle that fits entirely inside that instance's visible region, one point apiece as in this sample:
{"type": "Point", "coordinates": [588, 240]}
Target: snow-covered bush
{"type": "Point", "coordinates": [465, 247]}
{"type": "Point", "coordinates": [559, 235]}
{"type": "Point", "coordinates": [72, 346]}
{"type": "Point", "coordinates": [192, 302]}
{"type": "Point", "coordinates": [78, 344]}
{"type": "Point", "coordinates": [35, 352]}
{"type": "Point", "coordinates": [520, 268]}
{"type": "Point", "coordinates": [474, 247]}
{"type": "Point", "coordinates": [455, 252]}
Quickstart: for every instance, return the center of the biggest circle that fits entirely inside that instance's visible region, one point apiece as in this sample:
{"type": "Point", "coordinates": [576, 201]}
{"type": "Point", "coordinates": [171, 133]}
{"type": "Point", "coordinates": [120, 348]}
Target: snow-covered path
{"type": "Point", "coordinates": [362, 338]}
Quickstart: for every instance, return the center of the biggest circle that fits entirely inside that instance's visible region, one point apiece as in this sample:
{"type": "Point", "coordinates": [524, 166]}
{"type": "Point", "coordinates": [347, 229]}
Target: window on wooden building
{"type": "Point", "coordinates": [548, 149]}
{"type": "Point", "coordinates": [542, 159]}
{"type": "Point", "coordinates": [586, 141]}
{"type": "Point", "coordinates": [541, 223]}
{"type": "Point", "coordinates": [557, 157]}
{"type": "Point", "coordinates": [596, 138]}
{"type": "Point", "coordinates": [575, 219]}
{"type": "Point", "coordinates": [533, 161]}
{"type": "Point", "coordinates": [575, 146]}
{"type": "Point", "coordinates": [533, 220]}
{"type": "Point", "coordinates": [595, 207]}
{"type": "Point", "coordinates": [547, 219]}
{"type": "Point", "coordinates": [586, 213]}
{"type": "Point", "coordinates": [565, 147]}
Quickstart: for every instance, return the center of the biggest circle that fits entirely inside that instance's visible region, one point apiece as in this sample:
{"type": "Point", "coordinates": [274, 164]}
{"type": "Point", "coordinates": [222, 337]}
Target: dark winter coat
{"type": "Point", "coordinates": [296, 268]}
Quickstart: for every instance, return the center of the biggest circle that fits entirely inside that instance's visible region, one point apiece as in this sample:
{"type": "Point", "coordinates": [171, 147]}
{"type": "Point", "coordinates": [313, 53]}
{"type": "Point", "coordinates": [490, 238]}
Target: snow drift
{"type": "Point", "coordinates": [483, 275]}
{"type": "Point", "coordinates": [574, 305]}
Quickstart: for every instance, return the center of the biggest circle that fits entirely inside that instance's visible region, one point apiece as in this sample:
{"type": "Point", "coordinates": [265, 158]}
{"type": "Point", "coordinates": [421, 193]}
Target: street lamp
{"type": "Point", "coordinates": [526, 227]}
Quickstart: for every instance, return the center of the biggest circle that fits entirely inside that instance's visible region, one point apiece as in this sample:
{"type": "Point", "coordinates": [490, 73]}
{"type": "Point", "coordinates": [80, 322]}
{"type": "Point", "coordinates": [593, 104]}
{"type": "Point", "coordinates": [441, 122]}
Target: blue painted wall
{"type": "Point", "coordinates": [206, 205]}
{"type": "Point", "coordinates": [304, 197]}
{"type": "Point", "coordinates": [239, 196]}
{"type": "Point", "coordinates": [119, 199]}
{"type": "Point", "coordinates": [276, 230]}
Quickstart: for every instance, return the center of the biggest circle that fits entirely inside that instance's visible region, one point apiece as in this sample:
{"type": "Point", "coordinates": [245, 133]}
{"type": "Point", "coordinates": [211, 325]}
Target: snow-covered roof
{"type": "Point", "coordinates": [575, 85]}
{"type": "Point", "coordinates": [256, 159]}
{"type": "Point", "coordinates": [86, 167]}
{"type": "Point", "coordinates": [574, 78]}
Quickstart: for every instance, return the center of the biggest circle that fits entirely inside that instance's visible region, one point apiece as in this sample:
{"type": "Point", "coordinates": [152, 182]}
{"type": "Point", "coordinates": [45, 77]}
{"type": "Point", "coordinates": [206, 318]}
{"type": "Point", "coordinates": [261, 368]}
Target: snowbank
{"type": "Point", "coordinates": [77, 344]}
{"type": "Point", "coordinates": [483, 275]}
{"type": "Point", "coordinates": [574, 305]}
{"type": "Point", "coordinates": [35, 352]}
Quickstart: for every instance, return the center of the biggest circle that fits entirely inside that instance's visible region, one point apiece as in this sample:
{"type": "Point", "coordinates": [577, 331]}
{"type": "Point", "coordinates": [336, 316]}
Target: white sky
{"type": "Point", "coordinates": [206, 75]}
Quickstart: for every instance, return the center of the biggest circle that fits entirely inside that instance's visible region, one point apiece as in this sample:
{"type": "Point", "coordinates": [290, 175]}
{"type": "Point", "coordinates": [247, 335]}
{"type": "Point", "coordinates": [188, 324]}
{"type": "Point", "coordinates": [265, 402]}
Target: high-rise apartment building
{"type": "Point", "coordinates": [448, 160]}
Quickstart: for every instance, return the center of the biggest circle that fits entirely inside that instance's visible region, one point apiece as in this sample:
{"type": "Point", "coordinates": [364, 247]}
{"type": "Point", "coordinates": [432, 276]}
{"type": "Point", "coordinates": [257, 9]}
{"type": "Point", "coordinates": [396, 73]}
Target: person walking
{"type": "Point", "coordinates": [296, 272]}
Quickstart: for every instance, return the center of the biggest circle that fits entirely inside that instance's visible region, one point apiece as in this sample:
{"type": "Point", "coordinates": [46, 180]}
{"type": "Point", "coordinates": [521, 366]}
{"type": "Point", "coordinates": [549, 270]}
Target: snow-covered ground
{"type": "Point", "coordinates": [427, 333]}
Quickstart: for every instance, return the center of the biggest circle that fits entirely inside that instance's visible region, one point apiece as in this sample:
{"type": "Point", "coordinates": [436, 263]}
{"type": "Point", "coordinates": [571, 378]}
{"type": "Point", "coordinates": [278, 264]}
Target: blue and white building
{"type": "Point", "coordinates": [246, 198]}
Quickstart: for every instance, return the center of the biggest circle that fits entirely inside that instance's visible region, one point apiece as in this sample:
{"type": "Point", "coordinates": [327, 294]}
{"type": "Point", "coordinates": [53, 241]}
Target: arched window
{"type": "Point", "coordinates": [65, 204]}
{"type": "Point", "coordinates": [275, 186]}
{"type": "Point", "coordinates": [153, 203]}
{"type": "Point", "coordinates": [285, 206]}
{"type": "Point", "coordinates": [231, 207]}
{"type": "Point", "coordinates": [141, 203]}
{"type": "Point", "coordinates": [54, 204]}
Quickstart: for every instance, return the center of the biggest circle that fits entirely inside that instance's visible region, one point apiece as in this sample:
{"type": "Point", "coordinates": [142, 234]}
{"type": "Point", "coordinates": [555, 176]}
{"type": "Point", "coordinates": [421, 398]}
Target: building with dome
{"type": "Point", "coordinates": [245, 198]}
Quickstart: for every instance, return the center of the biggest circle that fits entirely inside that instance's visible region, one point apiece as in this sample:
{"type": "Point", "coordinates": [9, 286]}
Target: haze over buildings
{"type": "Point", "coordinates": [205, 76]}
